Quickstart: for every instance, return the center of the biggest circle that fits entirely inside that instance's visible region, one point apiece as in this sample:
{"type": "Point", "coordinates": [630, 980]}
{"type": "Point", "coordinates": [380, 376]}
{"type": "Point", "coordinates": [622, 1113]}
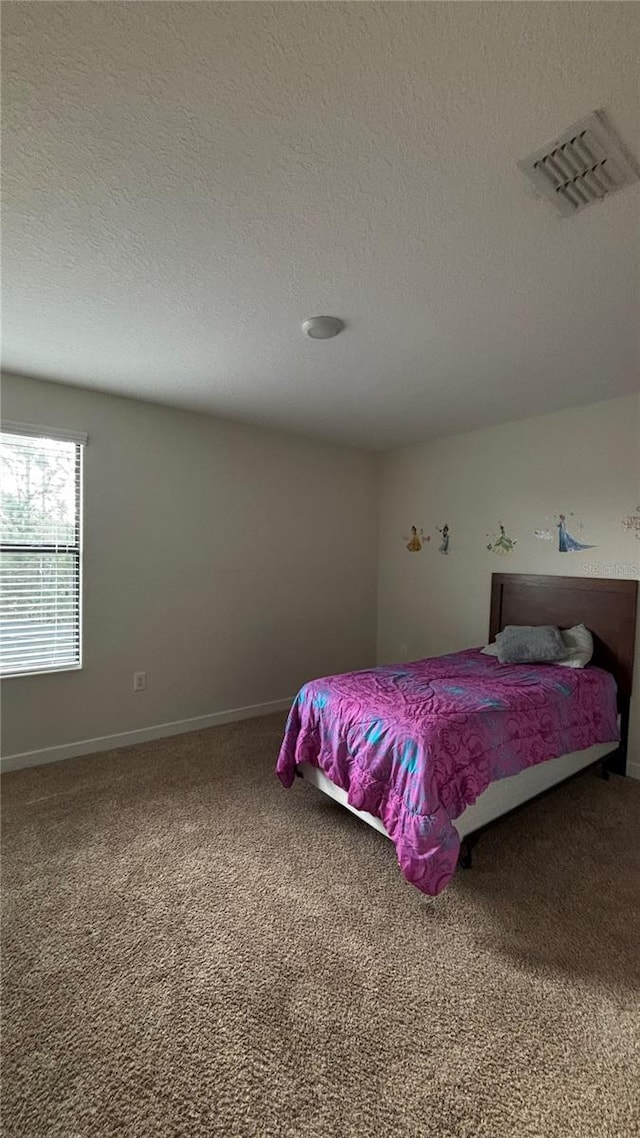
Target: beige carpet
{"type": "Point", "coordinates": [191, 950]}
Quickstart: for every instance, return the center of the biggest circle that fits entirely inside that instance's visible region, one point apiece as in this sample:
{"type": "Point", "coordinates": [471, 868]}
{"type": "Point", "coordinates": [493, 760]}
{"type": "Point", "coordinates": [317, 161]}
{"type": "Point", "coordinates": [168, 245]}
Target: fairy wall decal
{"type": "Point", "coordinates": [632, 523]}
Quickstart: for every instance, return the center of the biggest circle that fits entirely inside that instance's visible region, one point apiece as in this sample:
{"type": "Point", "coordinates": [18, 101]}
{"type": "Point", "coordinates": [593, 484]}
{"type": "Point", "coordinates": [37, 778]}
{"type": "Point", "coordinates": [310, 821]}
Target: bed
{"type": "Point", "coordinates": [432, 751]}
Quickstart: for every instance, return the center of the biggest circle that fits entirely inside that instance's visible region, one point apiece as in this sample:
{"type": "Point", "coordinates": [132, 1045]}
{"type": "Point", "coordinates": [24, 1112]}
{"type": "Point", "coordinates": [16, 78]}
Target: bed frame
{"type": "Point", "coordinates": [608, 608]}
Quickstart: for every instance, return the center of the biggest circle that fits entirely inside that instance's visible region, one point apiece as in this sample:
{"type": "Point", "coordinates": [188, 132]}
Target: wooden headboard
{"type": "Point", "coordinates": [606, 605]}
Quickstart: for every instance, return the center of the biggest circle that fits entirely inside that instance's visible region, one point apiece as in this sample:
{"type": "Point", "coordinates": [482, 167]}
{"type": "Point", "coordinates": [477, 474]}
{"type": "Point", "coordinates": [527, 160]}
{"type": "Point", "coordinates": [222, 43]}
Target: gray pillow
{"type": "Point", "coordinates": [525, 644]}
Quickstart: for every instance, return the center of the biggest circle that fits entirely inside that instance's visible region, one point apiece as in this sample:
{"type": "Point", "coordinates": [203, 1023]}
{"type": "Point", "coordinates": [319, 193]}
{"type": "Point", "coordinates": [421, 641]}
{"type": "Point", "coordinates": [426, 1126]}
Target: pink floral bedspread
{"type": "Point", "coordinates": [415, 744]}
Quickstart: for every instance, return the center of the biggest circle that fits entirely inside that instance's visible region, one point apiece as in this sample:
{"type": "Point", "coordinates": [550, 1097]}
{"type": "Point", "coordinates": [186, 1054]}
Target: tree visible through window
{"type": "Point", "coordinates": [41, 558]}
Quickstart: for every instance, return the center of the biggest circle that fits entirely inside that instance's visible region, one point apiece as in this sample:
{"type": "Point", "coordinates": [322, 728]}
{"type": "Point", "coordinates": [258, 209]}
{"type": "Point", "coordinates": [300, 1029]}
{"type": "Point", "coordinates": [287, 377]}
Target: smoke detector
{"type": "Point", "coordinates": [322, 327]}
{"type": "Point", "coordinates": [585, 164]}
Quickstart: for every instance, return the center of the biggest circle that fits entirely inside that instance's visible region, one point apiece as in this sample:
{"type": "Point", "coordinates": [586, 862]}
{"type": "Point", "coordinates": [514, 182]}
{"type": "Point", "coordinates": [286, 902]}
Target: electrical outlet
{"type": "Point", "coordinates": [404, 652]}
{"type": "Point", "coordinates": [139, 681]}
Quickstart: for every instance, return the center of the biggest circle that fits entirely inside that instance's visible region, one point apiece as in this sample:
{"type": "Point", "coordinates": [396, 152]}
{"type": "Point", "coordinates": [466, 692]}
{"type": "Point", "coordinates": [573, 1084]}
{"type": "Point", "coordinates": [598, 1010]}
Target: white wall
{"type": "Point", "coordinates": [585, 460]}
{"type": "Point", "coordinates": [230, 563]}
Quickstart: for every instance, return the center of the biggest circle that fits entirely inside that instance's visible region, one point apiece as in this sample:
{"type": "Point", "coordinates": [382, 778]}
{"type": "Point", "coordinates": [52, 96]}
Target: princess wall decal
{"type": "Point", "coordinates": [445, 544]}
{"type": "Point", "coordinates": [567, 543]}
{"type": "Point", "coordinates": [500, 543]}
{"type": "Point", "coordinates": [416, 539]}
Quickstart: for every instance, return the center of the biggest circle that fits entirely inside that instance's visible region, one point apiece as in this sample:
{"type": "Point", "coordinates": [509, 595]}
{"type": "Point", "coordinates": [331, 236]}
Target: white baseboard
{"type": "Point", "coordinates": [633, 769]}
{"type": "Point", "coordinates": [140, 735]}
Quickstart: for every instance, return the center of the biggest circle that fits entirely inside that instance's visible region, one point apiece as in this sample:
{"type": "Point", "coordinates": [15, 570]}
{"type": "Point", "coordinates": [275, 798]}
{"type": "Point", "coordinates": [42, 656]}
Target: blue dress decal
{"type": "Point", "coordinates": [446, 539]}
{"type": "Point", "coordinates": [567, 543]}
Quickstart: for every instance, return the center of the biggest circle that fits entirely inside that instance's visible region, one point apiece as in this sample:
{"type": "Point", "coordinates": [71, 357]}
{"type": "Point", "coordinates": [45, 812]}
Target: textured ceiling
{"type": "Point", "coordinates": [185, 183]}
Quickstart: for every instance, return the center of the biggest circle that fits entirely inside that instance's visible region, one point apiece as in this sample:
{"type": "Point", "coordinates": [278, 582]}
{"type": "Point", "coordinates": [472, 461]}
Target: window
{"type": "Point", "coordinates": [41, 551]}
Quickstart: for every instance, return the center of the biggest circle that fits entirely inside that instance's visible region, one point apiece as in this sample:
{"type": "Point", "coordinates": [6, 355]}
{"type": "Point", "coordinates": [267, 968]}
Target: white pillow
{"type": "Point", "coordinates": [577, 640]}
{"type": "Point", "coordinates": [490, 650]}
{"type": "Point", "coordinates": [579, 643]}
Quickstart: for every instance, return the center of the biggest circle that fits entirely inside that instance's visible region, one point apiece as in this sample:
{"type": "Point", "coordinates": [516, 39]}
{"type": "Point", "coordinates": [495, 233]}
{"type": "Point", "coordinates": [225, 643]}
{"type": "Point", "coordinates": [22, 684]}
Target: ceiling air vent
{"type": "Point", "coordinates": [585, 164]}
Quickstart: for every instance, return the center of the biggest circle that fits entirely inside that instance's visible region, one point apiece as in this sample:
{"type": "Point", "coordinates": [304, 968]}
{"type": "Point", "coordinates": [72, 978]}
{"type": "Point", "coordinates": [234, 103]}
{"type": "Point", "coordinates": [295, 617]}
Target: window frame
{"type": "Point", "coordinates": [74, 549]}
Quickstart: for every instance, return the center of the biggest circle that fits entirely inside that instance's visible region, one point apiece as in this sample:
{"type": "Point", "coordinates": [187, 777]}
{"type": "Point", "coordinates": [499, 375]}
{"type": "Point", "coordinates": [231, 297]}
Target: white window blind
{"type": "Point", "coordinates": [41, 552]}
